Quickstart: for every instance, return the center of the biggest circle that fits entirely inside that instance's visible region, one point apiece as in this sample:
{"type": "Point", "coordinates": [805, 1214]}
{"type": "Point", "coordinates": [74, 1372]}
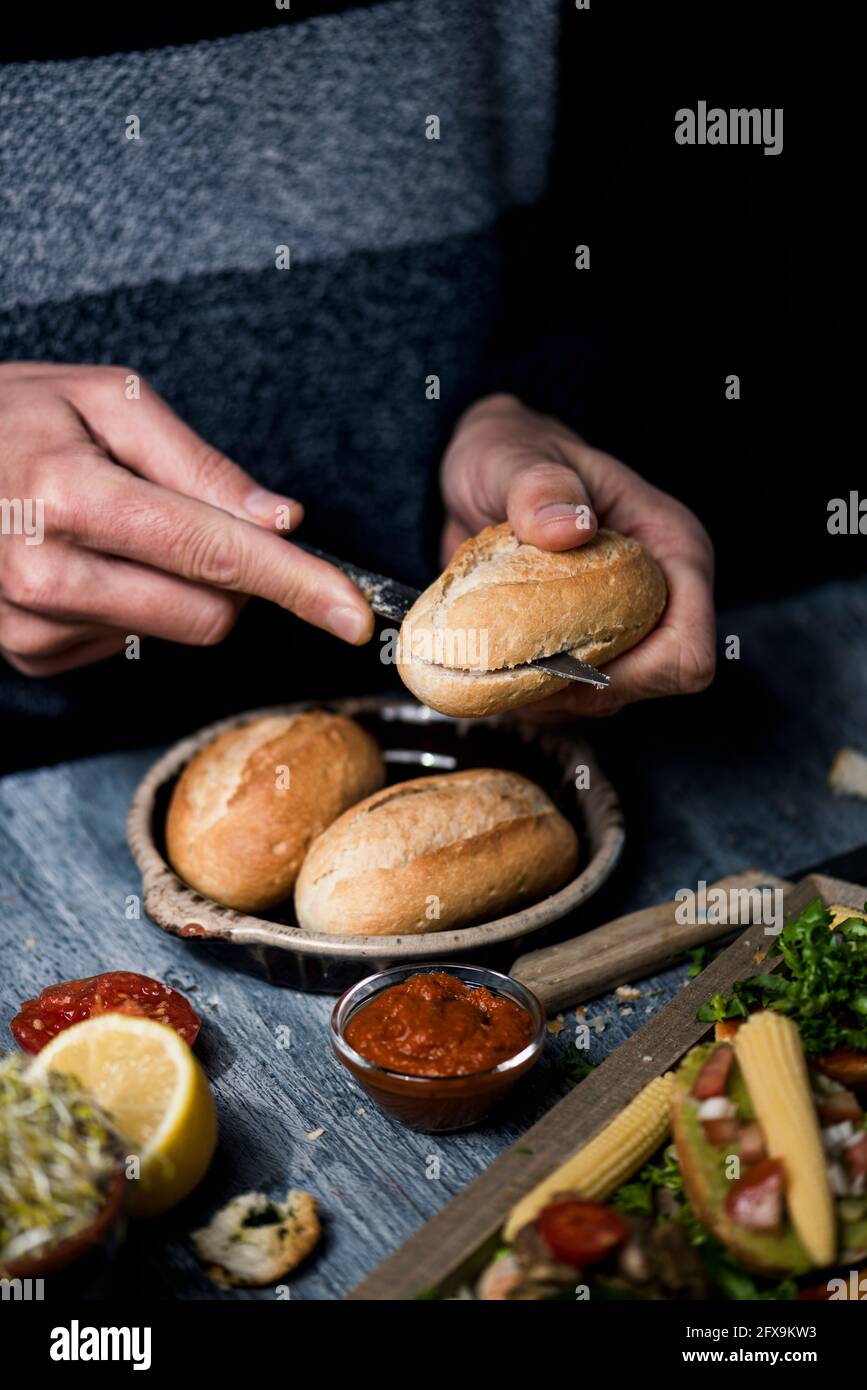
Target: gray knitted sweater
{"type": "Point", "coordinates": [160, 252]}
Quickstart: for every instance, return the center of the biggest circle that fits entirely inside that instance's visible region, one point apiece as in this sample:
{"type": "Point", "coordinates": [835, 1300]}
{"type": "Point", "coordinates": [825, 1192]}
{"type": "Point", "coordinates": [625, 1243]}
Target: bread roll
{"type": "Point", "coordinates": [238, 827]}
{"type": "Point", "coordinates": [501, 604]}
{"type": "Point", "coordinates": [469, 846]}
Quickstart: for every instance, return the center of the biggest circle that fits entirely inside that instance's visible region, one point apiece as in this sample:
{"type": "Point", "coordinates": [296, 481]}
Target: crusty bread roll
{"type": "Point", "coordinates": [433, 853]}
{"type": "Point", "coordinates": [501, 604]}
{"type": "Point", "coordinates": [246, 808]}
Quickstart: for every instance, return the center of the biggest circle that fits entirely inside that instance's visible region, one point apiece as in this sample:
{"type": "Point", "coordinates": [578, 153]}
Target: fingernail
{"type": "Point", "coordinates": [579, 514]}
{"type": "Point", "coordinates": [270, 506]}
{"type": "Point", "coordinates": [347, 623]}
{"type": "Point", "coordinates": [557, 511]}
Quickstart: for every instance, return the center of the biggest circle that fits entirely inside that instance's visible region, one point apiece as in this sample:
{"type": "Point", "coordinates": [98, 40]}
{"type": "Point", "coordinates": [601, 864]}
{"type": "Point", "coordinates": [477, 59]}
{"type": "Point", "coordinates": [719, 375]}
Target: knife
{"type": "Point", "coordinates": [392, 600]}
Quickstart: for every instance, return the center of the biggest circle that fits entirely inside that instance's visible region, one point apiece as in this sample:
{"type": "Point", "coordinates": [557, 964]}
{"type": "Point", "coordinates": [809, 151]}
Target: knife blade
{"type": "Point", "coordinates": [390, 599]}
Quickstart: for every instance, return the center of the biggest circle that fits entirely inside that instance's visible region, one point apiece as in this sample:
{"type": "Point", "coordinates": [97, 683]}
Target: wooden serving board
{"type": "Point", "coordinates": [454, 1246]}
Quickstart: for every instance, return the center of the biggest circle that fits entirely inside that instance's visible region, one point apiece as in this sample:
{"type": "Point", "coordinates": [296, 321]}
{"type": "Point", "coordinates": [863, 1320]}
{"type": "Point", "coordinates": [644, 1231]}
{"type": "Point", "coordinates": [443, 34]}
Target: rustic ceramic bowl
{"type": "Point", "coordinates": [415, 740]}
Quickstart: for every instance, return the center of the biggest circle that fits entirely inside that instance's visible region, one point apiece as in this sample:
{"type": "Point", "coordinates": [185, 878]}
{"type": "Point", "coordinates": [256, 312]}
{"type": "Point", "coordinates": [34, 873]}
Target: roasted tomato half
{"type": "Point", "coordinates": [116, 992]}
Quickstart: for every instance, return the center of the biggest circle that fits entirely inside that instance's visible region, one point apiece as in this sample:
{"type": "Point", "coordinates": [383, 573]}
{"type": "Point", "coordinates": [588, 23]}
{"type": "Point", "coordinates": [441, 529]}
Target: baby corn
{"type": "Point", "coordinates": [771, 1058]}
{"type": "Point", "coordinates": [609, 1158]}
{"type": "Point", "coordinates": [840, 914]}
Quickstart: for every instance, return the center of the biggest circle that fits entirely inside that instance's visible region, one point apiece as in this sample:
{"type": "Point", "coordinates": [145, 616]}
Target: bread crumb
{"type": "Point", "coordinates": [627, 992]}
{"type": "Point", "coordinates": [312, 1134]}
{"type": "Point", "coordinates": [848, 773]}
{"type": "Point", "coordinates": [624, 1013]}
{"type": "Point", "coordinates": [30, 942]}
{"type": "Point", "coordinates": [580, 1013]}
{"type": "Point", "coordinates": [647, 1059]}
{"type": "Point", "coordinates": [255, 1240]}
{"type": "Point", "coordinates": [361, 1110]}
{"type": "Point", "coordinates": [556, 1025]}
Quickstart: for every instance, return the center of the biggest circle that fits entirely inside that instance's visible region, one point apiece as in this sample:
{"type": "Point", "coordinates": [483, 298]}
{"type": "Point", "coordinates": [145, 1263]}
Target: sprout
{"type": "Point", "coordinates": [58, 1154]}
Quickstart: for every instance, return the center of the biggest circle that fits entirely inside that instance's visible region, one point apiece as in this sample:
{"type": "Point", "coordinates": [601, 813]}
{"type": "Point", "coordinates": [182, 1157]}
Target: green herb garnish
{"type": "Point", "coordinates": [577, 1067]}
{"type": "Point", "coordinates": [700, 958]}
{"type": "Point", "coordinates": [637, 1198]}
{"type": "Point", "coordinates": [266, 1215]}
{"type": "Point", "coordinates": [822, 983]}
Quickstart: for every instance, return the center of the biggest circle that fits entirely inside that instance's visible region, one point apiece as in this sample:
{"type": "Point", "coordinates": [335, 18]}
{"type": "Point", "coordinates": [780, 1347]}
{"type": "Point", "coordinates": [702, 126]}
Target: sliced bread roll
{"type": "Point", "coordinates": [246, 808]}
{"type": "Point", "coordinates": [500, 604]}
{"type": "Point", "coordinates": [433, 853]}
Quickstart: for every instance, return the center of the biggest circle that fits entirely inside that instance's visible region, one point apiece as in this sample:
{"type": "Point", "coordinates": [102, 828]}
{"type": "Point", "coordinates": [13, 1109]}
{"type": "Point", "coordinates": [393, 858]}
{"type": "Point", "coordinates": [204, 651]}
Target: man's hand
{"type": "Point", "coordinates": [505, 461]}
{"type": "Point", "coordinates": [147, 529]}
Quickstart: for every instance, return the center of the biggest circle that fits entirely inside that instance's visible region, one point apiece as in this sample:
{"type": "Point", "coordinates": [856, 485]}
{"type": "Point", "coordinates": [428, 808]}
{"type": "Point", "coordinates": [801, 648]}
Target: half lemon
{"type": "Point", "coordinates": [152, 1088]}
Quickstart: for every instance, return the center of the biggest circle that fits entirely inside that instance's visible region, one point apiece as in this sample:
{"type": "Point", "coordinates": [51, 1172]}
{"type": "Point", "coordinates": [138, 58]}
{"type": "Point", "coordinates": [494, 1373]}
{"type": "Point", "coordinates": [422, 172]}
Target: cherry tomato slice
{"type": "Point", "coordinates": [756, 1200]}
{"type": "Point", "coordinates": [581, 1233]}
{"type": "Point", "coordinates": [713, 1077]}
{"type": "Point", "coordinates": [752, 1143]}
{"type": "Point", "coordinates": [117, 991]}
{"type": "Point", "coordinates": [845, 1065]}
{"type": "Point", "coordinates": [855, 1157]}
{"type": "Point", "coordinates": [722, 1131]}
{"type": "Point", "coordinates": [842, 1105]}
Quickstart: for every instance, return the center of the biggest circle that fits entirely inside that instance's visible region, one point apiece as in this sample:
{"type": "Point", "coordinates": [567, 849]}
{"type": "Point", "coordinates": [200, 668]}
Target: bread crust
{"type": "Point", "coordinates": [500, 604]}
{"type": "Point", "coordinates": [238, 836]}
{"type": "Point", "coordinates": [470, 845]}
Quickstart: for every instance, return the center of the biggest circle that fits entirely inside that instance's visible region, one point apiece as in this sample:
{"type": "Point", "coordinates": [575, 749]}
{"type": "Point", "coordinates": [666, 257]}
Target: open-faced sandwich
{"type": "Point", "coordinates": [763, 1193]}
{"type": "Point", "coordinates": [821, 983]}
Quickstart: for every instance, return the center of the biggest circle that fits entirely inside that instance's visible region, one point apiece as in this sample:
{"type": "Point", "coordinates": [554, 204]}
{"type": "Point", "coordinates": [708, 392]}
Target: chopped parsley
{"type": "Point", "coordinates": [822, 983]}
{"type": "Point", "coordinates": [577, 1067]}
{"type": "Point", "coordinates": [266, 1215]}
{"type": "Point", "coordinates": [700, 958]}
{"type": "Point", "coordinates": [636, 1198]}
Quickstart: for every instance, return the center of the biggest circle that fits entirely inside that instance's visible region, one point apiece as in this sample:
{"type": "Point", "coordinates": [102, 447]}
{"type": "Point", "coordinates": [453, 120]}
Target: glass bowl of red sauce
{"type": "Point", "coordinates": [438, 1046]}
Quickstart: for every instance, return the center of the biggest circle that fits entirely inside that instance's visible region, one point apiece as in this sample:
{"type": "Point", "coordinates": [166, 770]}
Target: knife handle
{"type": "Point", "coordinates": [627, 948]}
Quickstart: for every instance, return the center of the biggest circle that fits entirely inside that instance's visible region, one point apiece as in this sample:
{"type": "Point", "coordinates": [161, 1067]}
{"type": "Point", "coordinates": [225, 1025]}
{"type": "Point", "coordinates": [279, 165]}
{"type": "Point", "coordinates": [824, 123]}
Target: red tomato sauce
{"type": "Point", "coordinates": [115, 992]}
{"type": "Point", "coordinates": [435, 1025]}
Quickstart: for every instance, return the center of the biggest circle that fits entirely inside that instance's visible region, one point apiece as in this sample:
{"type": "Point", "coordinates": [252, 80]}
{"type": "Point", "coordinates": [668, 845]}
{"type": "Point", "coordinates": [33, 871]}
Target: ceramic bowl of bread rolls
{"type": "Point", "coordinates": [326, 842]}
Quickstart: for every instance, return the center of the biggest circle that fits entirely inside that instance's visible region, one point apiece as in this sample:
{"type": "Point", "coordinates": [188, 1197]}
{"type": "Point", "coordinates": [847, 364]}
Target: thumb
{"type": "Point", "coordinates": [507, 461]}
{"type": "Point", "coordinates": [549, 506]}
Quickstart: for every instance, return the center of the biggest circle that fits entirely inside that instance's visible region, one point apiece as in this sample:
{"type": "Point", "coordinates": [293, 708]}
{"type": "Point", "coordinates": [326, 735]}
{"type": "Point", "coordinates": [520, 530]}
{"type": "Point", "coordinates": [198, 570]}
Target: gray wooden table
{"type": "Point", "coordinates": [732, 778]}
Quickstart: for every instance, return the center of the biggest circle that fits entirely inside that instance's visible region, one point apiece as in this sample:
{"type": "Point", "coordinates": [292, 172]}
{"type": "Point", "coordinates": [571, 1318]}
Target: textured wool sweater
{"type": "Point", "coordinates": [398, 151]}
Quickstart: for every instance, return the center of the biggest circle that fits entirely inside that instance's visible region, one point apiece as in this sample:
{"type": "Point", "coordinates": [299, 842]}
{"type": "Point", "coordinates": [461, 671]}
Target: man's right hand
{"type": "Point", "coordinates": [148, 530]}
